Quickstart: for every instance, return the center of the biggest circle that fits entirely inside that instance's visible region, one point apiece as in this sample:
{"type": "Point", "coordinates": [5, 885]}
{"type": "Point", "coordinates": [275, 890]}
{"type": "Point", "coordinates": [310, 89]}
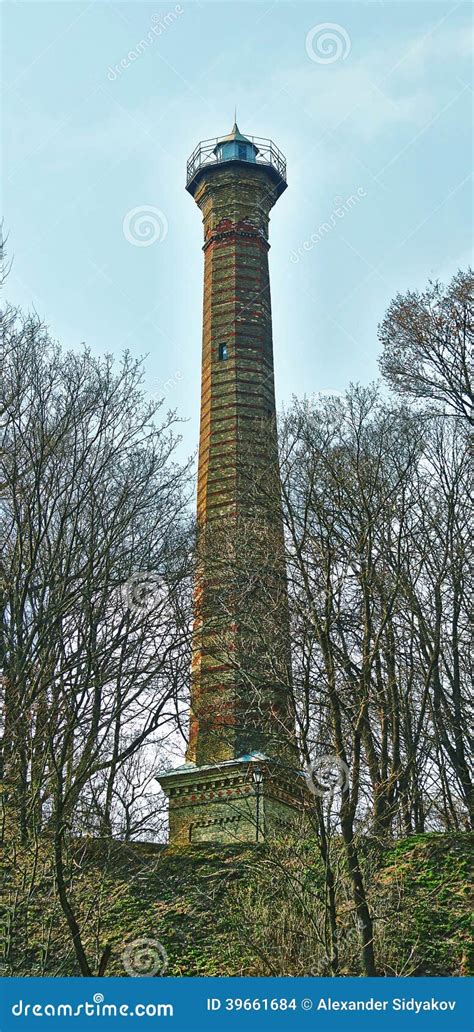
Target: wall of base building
{"type": "Point", "coordinates": [235, 821]}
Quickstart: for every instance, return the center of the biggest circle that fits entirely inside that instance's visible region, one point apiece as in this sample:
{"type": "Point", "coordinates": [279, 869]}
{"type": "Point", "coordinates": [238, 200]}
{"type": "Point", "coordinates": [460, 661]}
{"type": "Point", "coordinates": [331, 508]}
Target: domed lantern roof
{"type": "Point", "coordinates": [235, 146]}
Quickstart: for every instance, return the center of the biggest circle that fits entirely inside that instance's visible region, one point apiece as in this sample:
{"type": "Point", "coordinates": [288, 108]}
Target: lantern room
{"type": "Point", "coordinates": [235, 147]}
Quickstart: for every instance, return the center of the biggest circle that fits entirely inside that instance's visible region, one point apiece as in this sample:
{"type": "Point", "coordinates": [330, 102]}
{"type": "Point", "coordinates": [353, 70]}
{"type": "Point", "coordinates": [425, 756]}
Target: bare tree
{"type": "Point", "coordinates": [427, 340]}
{"type": "Point", "coordinates": [437, 595]}
{"type": "Point", "coordinates": [377, 513]}
{"type": "Point", "coordinates": [95, 572]}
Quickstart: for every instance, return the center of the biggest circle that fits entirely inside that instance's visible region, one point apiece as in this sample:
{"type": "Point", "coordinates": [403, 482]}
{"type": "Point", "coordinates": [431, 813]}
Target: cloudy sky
{"type": "Point", "coordinates": [104, 102]}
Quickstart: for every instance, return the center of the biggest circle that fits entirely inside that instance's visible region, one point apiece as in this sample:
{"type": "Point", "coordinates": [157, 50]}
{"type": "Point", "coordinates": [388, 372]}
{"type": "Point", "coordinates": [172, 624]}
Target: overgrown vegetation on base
{"type": "Point", "coordinates": [239, 910]}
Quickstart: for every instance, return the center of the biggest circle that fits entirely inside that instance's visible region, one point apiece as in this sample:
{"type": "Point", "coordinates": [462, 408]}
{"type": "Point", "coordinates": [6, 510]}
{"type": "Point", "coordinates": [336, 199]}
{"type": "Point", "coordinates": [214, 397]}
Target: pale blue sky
{"type": "Point", "coordinates": [389, 117]}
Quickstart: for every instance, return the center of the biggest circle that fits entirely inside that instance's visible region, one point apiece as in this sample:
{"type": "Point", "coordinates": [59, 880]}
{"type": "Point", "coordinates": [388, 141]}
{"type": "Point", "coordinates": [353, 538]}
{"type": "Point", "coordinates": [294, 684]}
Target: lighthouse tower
{"type": "Point", "coordinates": [240, 781]}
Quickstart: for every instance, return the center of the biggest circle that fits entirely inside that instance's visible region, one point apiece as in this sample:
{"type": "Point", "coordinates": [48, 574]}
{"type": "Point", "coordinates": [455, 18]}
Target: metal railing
{"type": "Point", "coordinates": [203, 154]}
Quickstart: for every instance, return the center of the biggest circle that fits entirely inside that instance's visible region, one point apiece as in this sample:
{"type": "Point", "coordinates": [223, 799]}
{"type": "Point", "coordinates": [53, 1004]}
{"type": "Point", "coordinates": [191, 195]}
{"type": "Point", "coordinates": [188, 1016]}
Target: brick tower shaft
{"type": "Point", "coordinates": [237, 446]}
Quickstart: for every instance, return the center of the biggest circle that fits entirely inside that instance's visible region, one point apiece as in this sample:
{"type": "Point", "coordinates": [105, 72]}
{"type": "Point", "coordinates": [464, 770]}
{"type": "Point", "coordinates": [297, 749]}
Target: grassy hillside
{"type": "Point", "coordinates": [233, 910]}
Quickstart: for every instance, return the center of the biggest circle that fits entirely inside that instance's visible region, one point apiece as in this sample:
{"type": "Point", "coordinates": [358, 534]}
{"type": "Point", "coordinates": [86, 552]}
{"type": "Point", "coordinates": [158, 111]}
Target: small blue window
{"type": "Point", "coordinates": [242, 151]}
{"type": "Point", "coordinates": [223, 352]}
